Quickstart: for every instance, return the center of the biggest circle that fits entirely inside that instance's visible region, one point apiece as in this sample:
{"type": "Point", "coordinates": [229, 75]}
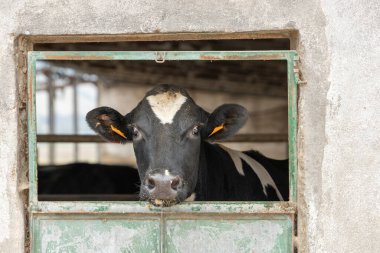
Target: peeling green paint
{"type": "Point", "coordinates": [144, 207]}
{"type": "Point", "coordinates": [101, 209]}
{"type": "Point", "coordinates": [96, 235]}
{"type": "Point", "coordinates": [246, 235]}
{"type": "Point", "coordinates": [196, 208]}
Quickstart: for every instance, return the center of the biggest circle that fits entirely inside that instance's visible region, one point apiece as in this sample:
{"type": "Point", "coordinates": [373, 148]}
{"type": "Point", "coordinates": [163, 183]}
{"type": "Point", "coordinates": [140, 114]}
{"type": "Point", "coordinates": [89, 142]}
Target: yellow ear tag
{"type": "Point", "coordinates": [114, 129]}
{"type": "Point", "coordinates": [217, 129]}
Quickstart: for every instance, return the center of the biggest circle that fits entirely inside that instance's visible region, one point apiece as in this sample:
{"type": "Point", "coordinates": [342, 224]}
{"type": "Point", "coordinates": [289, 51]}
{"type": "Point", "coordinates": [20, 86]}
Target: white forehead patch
{"type": "Point", "coordinates": [166, 105]}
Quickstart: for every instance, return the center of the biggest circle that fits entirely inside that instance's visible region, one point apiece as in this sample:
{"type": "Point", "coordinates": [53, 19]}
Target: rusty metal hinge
{"type": "Point", "coordinates": [301, 82]}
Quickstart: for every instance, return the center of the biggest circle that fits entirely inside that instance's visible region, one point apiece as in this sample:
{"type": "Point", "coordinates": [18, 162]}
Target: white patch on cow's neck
{"type": "Point", "coordinates": [191, 198]}
{"type": "Point", "coordinates": [166, 105]}
{"type": "Point", "coordinates": [263, 175]}
{"type": "Point", "coordinates": [167, 173]}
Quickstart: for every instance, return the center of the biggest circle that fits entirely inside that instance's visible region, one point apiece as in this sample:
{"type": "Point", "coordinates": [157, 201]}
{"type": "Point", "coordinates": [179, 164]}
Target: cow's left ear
{"type": "Point", "coordinates": [224, 122]}
{"type": "Point", "coordinates": [109, 124]}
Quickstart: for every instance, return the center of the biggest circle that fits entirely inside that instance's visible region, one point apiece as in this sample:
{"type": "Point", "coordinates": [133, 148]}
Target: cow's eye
{"type": "Point", "coordinates": [136, 133]}
{"type": "Point", "coordinates": [195, 130]}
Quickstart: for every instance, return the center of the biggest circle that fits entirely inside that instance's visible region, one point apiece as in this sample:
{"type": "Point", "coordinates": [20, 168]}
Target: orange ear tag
{"type": "Point", "coordinates": [217, 129]}
{"type": "Point", "coordinates": [114, 129]}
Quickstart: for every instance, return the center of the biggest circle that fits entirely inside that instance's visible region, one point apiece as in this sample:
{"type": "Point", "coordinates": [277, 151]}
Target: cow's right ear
{"type": "Point", "coordinates": [109, 124]}
{"type": "Point", "coordinates": [224, 122]}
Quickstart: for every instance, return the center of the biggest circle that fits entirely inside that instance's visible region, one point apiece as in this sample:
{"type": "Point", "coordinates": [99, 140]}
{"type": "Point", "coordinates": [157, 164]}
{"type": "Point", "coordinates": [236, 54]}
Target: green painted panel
{"type": "Point", "coordinates": [61, 236]}
{"type": "Point", "coordinates": [229, 236]}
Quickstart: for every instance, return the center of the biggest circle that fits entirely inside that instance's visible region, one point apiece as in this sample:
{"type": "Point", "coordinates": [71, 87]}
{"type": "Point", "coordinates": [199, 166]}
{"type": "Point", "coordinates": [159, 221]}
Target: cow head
{"type": "Point", "coordinates": [167, 129]}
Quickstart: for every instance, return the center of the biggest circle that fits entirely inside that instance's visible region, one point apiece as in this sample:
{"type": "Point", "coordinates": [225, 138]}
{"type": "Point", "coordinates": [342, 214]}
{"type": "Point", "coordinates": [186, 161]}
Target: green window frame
{"type": "Point", "coordinates": [275, 209]}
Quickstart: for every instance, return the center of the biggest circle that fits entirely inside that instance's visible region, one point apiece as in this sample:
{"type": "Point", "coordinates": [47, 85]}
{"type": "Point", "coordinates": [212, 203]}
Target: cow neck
{"type": "Point", "coordinates": [213, 160]}
{"type": "Point", "coordinates": [202, 184]}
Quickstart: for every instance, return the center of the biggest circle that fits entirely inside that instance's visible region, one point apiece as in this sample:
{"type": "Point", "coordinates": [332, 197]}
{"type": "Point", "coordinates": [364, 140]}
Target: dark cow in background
{"type": "Point", "coordinates": [172, 138]}
{"type": "Point", "coordinates": [79, 180]}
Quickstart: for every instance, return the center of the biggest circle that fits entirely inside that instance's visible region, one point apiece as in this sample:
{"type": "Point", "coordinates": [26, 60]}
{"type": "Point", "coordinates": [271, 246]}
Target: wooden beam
{"type": "Point", "coordinates": [265, 34]}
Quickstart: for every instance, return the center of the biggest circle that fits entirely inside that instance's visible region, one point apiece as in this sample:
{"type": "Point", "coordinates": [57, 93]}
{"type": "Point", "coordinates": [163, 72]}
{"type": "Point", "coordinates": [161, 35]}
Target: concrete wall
{"type": "Point", "coordinates": [339, 106]}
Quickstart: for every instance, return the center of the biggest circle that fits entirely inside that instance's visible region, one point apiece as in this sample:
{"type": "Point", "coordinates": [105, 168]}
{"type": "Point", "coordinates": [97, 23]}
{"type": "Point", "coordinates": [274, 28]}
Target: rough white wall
{"type": "Point", "coordinates": [349, 215]}
{"type": "Point", "coordinates": [339, 137]}
{"type": "Point", "coordinates": [11, 206]}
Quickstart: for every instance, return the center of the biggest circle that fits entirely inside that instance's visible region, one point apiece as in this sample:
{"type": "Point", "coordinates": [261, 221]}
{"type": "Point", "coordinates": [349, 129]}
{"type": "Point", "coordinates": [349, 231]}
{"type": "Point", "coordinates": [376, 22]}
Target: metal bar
{"type": "Point", "coordinates": [217, 207]}
{"type": "Point", "coordinates": [75, 117]}
{"type": "Point", "coordinates": [51, 94]}
{"type": "Point", "coordinates": [69, 138]}
{"type": "Point", "coordinates": [292, 126]}
{"type": "Point", "coordinates": [98, 148]}
{"type": "Point", "coordinates": [258, 138]}
{"type": "Point", "coordinates": [50, 138]}
{"type": "Point", "coordinates": [168, 55]}
{"type": "Point", "coordinates": [32, 138]}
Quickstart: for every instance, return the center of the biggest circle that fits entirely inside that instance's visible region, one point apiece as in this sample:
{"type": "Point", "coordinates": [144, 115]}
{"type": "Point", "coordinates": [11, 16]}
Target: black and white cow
{"type": "Point", "coordinates": [172, 138]}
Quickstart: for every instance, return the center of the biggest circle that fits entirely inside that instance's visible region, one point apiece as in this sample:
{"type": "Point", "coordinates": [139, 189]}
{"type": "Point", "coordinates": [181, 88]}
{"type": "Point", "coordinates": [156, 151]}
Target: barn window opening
{"type": "Point", "coordinates": [81, 185]}
{"type": "Point", "coordinates": [75, 164]}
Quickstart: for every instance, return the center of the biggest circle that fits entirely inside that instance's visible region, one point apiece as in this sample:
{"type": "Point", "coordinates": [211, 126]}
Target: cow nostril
{"type": "Point", "coordinates": [175, 183]}
{"type": "Point", "coordinates": [150, 183]}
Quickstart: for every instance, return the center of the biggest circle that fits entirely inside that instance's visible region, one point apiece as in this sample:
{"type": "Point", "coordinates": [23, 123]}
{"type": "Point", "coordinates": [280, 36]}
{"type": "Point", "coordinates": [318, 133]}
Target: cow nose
{"type": "Point", "coordinates": [163, 186]}
{"type": "Point", "coordinates": [159, 181]}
